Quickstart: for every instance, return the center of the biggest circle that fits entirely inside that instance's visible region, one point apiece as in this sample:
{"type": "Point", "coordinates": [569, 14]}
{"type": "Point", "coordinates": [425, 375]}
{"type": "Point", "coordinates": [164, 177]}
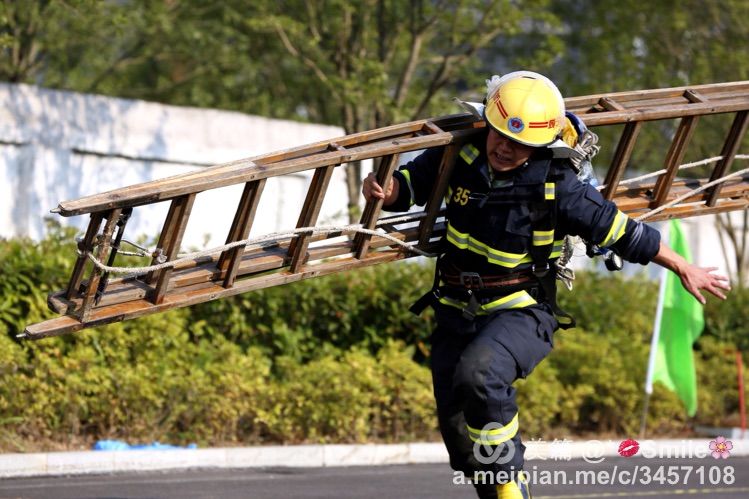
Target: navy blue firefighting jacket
{"type": "Point", "coordinates": [489, 229]}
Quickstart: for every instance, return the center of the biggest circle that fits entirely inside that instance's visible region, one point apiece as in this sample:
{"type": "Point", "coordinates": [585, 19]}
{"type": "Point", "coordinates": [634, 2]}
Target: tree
{"type": "Point", "coordinates": [175, 52]}
{"type": "Point", "coordinates": [356, 64]}
{"type": "Point", "coordinates": [370, 63]}
{"type": "Point", "coordinates": [617, 45]}
{"type": "Point", "coordinates": [40, 38]}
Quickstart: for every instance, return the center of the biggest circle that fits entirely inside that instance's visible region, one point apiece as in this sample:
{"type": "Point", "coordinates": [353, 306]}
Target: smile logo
{"type": "Point", "coordinates": [628, 448]}
{"type": "Point", "coordinates": [515, 125]}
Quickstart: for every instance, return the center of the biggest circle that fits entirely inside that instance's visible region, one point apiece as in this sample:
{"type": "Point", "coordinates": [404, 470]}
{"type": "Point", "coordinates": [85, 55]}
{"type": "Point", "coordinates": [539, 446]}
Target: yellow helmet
{"type": "Point", "coordinates": [525, 107]}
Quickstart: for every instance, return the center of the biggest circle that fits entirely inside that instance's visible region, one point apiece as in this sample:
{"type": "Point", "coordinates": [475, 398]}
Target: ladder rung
{"type": "Point", "coordinates": [621, 158]}
{"type": "Point", "coordinates": [243, 218]}
{"type": "Point", "coordinates": [372, 210]}
{"type": "Point", "coordinates": [673, 159]}
{"type": "Point", "coordinates": [610, 104]}
{"type": "Point", "coordinates": [730, 148]}
{"type": "Point", "coordinates": [170, 241]}
{"type": "Point", "coordinates": [92, 287]}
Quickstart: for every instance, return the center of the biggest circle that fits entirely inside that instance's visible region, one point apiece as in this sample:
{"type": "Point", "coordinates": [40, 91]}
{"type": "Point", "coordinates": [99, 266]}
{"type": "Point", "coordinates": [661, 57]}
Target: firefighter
{"type": "Point", "coordinates": [511, 200]}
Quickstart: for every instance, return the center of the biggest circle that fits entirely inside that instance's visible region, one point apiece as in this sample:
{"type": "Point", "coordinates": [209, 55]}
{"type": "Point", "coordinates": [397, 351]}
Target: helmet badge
{"type": "Point", "coordinates": [515, 125]}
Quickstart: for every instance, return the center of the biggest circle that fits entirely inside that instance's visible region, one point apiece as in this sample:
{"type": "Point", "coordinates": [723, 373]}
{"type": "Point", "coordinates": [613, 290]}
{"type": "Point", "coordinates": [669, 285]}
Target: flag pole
{"type": "Point", "coordinates": [655, 338]}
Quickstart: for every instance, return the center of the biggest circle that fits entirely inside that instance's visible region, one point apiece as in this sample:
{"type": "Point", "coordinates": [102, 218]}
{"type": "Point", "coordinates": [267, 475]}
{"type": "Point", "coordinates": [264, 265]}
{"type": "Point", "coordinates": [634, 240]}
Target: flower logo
{"type": "Point", "coordinates": [721, 448]}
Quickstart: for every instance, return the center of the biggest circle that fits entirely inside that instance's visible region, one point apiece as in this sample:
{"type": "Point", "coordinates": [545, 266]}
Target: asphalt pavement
{"type": "Point", "coordinates": [559, 479]}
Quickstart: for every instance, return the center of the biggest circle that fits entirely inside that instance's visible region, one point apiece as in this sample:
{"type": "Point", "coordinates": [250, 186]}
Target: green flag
{"type": "Point", "coordinates": [681, 324]}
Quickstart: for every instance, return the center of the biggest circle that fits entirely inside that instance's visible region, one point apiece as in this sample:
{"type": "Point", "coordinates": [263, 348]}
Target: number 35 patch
{"type": "Point", "coordinates": [461, 196]}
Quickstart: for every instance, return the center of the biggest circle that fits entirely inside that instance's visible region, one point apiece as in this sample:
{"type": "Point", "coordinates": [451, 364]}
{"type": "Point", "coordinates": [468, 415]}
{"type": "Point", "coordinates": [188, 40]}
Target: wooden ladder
{"type": "Point", "coordinates": [98, 300]}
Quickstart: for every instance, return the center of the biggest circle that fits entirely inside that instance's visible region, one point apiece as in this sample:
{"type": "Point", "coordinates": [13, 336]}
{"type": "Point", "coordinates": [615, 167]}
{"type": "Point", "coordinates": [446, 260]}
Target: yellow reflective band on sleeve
{"type": "Point", "coordinates": [448, 195]}
{"type": "Point", "coordinates": [543, 237]}
{"type": "Point", "coordinates": [407, 175]}
{"type": "Point", "coordinates": [469, 153]}
{"type": "Point", "coordinates": [549, 190]}
{"type": "Point", "coordinates": [494, 436]}
{"type": "Point", "coordinates": [519, 299]}
{"type": "Point", "coordinates": [616, 231]}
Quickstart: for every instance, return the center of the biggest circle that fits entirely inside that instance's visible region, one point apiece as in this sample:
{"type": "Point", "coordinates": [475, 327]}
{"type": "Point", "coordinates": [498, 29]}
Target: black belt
{"type": "Point", "coordinates": [475, 281]}
{"type": "Point", "coordinates": [472, 287]}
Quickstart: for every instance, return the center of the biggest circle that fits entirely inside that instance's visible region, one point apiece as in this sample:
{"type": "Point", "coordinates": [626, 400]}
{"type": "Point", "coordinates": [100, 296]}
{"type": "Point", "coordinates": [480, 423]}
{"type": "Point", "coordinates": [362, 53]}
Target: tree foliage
{"type": "Point", "coordinates": [369, 63]}
{"type": "Point", "coordinates": [613, 45]}
{"type": "Point", "coordinates": [358, 65]}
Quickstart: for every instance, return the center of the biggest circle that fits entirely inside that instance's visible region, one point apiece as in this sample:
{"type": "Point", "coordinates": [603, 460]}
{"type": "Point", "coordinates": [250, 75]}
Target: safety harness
{"type": "Point", "coordinates": [473, 288]}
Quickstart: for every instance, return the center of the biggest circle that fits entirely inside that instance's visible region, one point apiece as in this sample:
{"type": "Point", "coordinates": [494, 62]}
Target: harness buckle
{"type": "Point", "coordinates": [471, 280]}
{"type": "Point", "coordinates": [540, 270]}
{"type": "Point", "coordinates": [481, 199]}
{"type": "Point", "coordinates": [471, 309]}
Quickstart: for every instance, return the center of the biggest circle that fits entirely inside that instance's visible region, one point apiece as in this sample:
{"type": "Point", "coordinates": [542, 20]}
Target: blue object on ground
{"type": "Point", "coordinates": [120, 445]}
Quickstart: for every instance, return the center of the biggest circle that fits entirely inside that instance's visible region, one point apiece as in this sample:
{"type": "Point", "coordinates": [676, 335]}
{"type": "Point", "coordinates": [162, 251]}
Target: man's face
{"type": "Point", "coordinates": [505, 154]}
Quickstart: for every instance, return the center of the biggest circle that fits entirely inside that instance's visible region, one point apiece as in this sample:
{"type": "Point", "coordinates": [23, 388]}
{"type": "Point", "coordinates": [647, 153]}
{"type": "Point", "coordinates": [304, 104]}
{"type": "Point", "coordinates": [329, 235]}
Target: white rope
{"type": "Point", "coordinates": [260, 242]}
{"type": "Point", "coordinates": [273, 238]}
{"type": "Point", "coordinates": [690, 194]}
{"type": "Point", "coordinates": [685, 166]}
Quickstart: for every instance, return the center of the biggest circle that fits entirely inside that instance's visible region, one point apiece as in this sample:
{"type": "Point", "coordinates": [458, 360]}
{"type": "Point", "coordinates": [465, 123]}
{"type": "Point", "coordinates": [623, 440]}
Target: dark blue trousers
{"type": "Point", "coordinates": [474, 364]}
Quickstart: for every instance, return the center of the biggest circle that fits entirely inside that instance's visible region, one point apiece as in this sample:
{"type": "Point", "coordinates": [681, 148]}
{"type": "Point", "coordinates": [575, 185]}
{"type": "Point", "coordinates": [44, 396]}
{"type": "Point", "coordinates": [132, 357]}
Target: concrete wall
{"type": "Point", "coordinates": [57, 146]}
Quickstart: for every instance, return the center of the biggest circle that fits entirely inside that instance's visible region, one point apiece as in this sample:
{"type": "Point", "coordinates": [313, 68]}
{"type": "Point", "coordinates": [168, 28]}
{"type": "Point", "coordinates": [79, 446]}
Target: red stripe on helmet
{"type": "Point", "coordinates": [501, 109]}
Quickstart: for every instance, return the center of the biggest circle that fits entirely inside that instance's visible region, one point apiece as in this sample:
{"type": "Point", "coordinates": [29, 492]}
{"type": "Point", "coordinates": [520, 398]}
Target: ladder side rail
{"type": "Point", "coordinates": [603, 104]}
{"type": "Point", "coordinates": [737, 87]}
{"type": "Point", "coordinates": [212, 290]}
{"type": "Point", "coordinates": [66, 324]}
{"type": "Point", "coordinates": [245, 171]}
{"type": "Point", "coordinates": [638, 196]}
{"type": "Point", "coordinates": [253, 261]}
{"type": "Point", "coordinates": [700, 209]}
{"type": "Point", "coordinates": [664, 112]}
{"type": "Point", "coordinates": [248, 169]}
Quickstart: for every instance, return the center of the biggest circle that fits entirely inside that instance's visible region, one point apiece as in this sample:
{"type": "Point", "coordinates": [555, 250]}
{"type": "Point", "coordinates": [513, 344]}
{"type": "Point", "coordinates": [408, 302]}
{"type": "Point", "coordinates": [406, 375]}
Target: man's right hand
{"type": "Point", "coordinates": [373, 190]}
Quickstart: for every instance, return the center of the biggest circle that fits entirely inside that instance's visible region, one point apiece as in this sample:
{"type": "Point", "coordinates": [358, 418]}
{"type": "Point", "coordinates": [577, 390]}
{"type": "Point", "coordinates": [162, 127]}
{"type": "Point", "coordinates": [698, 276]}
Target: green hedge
{"type": "Point", "coordinates": [366, 308]}
{"type": "Point", "coordinates": [335, 359]}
